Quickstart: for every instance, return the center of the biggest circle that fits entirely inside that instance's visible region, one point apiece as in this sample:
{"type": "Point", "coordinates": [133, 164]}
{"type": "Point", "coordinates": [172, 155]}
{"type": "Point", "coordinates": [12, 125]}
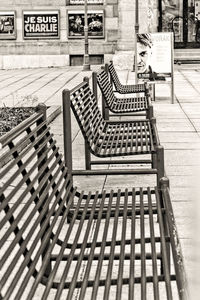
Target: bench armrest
{"type": "Point", "coordinates": [174, 240]}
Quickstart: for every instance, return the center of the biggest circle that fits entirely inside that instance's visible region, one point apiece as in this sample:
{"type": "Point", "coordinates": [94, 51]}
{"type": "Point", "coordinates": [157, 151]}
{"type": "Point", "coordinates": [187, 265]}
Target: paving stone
{"type": "Point", "coordinates": [177, 137]}
{"type": "Point", "coordinates": [196, 123]}
{"type": "Point", "coordinates": [181, 170]}
{"type": "Point", "coordinates": [181, 146]}
{"type": "Point", "coordinates": [179, 132]}
{"type": "Point", "coordinates": [182, 157]}
{"type": "Point", "coordinates": [172, 126]}
{"type": "Point", "coordinates": [179, 194]}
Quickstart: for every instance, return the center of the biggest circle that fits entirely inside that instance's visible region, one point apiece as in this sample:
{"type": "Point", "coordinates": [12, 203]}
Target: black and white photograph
{"type": "Point", "coordinates": [76, 23]}
{"type": "Point", "coordinates": [7, 25]}
{"type": "Point", "coordinates": [100, 150]}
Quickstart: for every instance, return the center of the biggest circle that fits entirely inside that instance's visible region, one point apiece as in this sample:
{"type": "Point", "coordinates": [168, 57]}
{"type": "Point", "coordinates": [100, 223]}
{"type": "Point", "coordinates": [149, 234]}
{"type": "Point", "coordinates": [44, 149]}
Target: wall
{"type": "Point", "coordinates": [119, 32]}
{"type": "Point", "coordinates": [55, 52]}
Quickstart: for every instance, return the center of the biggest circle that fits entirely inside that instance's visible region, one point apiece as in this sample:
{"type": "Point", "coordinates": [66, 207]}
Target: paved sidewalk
{"type": "Point", "coordinates": [178, 126]}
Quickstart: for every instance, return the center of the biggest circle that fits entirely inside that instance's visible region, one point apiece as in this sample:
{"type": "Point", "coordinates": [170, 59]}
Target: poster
{"type": "Point", "coordinates": [78, 2]}
{"type": "Point", "coordinates": [7, 25]}
{"type": "Point", "coordinates": [41, 24]}
{"type": "Point", "coordinates": [76, 23]}
{"type": "Point", "coordinates": [197, 9]}
{"type": "Point", "coordinates": [154, 55]}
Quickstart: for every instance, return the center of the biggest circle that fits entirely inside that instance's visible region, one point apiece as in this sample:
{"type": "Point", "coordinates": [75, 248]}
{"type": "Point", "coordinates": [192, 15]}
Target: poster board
{"type": "Point", "coordinates": [155, 58]}
{"type": "Point", "coordinates": [7, 25]}
{"type": "Point", "coordinates": [41, 24]}
{"type": "Point", "coordinates": [76, 23]}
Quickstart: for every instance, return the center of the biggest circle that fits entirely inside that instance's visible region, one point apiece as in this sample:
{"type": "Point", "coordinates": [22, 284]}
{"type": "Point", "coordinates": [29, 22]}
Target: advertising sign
{"type": "Point", "coordinates": [88, 1]}
{"type": "Point", "coordinates": [7, 25]}
{"type": "Point", "coordinates": [41, 24]}
{"type": "Point", "coordinates": [154, 55]}
{"type": "Point", "coordinates": [76, 23]}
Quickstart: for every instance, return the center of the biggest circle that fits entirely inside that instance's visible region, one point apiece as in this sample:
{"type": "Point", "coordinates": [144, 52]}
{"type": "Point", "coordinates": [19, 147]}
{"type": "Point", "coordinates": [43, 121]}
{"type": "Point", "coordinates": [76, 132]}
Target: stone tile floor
{"type": "Point", "coordinates": [179, 131]}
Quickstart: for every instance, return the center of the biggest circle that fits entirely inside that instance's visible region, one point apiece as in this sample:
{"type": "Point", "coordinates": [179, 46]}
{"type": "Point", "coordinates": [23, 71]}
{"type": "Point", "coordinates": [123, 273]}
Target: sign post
{"type": "Point", "coordinates": [172, 69]}
{"type": "Point", "coordinates": [136, 32]}
{"type": "Point", "coordinates": [86, 65]}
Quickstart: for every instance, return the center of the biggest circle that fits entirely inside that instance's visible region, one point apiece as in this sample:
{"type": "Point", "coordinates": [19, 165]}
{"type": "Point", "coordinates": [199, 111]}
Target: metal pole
{"type": "Point", "coordinates": [86, 65]}
{"type": "Point", "coordinates": [136, 32]}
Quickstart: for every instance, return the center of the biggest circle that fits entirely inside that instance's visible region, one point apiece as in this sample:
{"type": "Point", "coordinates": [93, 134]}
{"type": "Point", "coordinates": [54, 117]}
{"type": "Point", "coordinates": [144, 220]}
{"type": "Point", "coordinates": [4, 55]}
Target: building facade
{"type": "Point", "coordinates": [48, 33]}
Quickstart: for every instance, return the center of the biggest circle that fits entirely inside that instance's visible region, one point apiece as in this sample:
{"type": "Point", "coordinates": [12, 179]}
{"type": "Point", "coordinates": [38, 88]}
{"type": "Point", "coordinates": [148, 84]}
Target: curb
{"type": "Point", "coordinates": [53, 112]}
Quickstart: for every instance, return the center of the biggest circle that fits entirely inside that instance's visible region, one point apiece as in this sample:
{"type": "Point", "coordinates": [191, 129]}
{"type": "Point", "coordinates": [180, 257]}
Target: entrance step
{"type": "Point", "coordinates": [187, 56]}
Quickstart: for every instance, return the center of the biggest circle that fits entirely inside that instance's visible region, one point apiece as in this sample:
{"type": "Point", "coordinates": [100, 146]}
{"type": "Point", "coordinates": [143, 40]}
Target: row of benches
{"type": "Point", "coordinates": [61, 243]}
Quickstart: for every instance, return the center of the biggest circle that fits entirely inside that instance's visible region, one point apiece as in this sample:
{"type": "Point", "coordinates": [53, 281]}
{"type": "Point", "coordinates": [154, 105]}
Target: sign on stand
{"type": "Point", "coordinates": [155, 58]}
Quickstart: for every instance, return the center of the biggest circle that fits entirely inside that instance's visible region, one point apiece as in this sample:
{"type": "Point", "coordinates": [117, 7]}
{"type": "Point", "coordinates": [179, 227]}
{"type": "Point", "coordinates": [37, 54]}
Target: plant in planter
{"type": "Point", "coordinates": [12, 116]}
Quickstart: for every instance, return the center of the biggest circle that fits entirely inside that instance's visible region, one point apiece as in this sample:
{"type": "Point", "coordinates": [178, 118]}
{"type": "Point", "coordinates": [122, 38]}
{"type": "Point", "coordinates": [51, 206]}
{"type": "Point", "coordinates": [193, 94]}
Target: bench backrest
{"type": "Point", "coordinates": [87, 113]}
{"type": "Point", "coordinates": [113, 75]}
{"type": "Point", "coordinates": [106, 88]}
{"type": "Point", "coordinates": [35, 189]}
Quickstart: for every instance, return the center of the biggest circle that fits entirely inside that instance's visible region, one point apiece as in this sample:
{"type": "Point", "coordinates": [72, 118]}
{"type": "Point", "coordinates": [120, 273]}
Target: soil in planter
{"type": "Point", "coordinates": [10, 117]}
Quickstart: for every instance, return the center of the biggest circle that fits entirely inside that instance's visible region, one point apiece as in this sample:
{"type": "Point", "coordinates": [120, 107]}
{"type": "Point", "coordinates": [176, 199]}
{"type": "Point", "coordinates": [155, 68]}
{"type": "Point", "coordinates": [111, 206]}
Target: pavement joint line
{"type": "Point", "coordinates": [9, 77]}
{"type": "Point", "coordinates": [183, 108]}
{"type": "Point", "coordinates": [76, 135]}
{"type": "Point", "coordinates": [26, 86]}
{"type": "Point", "coordinates": [195, 130]}
{"type": "Point", "coordinates": [48, 82]}
{"type": "Point", "coordinates": [70, 79]}
{"type": "Point", "coordinates": [127, 76]}
{"type": "Point", "coordinates": [38, 71]}
{"type": "Point", "coordinates": [186, 78]}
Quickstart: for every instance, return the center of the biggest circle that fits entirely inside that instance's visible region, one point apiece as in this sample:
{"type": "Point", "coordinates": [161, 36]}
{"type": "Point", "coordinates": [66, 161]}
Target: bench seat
{"type": "Point", "coordinates": [131, 88]}
{"type": "Point", "coordinates": [128, 138]}
{"type": "Point", "coordinates": [119, 105]}
{"type": "Point", "coordinates": [124, 88]}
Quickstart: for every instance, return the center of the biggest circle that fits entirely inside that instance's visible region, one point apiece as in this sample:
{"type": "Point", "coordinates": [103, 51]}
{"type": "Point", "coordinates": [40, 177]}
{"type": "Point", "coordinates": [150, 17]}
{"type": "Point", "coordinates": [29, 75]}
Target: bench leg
{"type": "Point", "coordinates": [106, 68]}
{"type": "Point", "coordinates": [150, 112]}
{"type": "Point", "coordinates": [154, 92]}
{"type": "Point", "coordinates": [154, 161]}
{"type": "Point", "coordinates": [67, 130]}
{"type": "Point", "coordinates": [94, 85]}
{"type": "Point", "coordinates": [87, 157]}
{"type": "Point", "coordinates": [105, 110]}
{"type": "Point", "coordinates": [160, 163]}
{"type": "Point", "coordinates": [166, 233]}
{"type": "Point", "coordinates": [44, 186]}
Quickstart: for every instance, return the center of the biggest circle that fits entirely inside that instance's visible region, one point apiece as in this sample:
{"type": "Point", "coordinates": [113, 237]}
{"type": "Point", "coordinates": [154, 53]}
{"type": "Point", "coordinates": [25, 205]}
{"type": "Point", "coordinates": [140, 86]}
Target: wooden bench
{"type": "Point", "coordinates": [136, 106]}
{"type": "Point", "coordinates": [115, 245]}
{"type": "Point", "coordinates": [110, 139]}
{"type": "Point", "coordinates": [124, 88]}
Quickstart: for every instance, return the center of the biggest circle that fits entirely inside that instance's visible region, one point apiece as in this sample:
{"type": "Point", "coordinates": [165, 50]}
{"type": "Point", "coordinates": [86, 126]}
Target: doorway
{"type": "Point", "coordinates": [182, 17]}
